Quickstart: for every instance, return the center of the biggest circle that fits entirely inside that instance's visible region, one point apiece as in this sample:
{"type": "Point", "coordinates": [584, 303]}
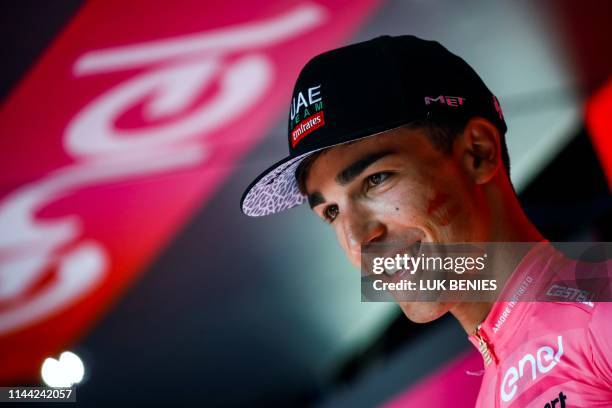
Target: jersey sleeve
{"type": "Point", "coordinates": [600, 333]}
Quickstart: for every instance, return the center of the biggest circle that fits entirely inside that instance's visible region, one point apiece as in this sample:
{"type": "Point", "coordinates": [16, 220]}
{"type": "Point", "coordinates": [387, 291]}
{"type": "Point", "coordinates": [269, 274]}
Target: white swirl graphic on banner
{"type": "Point", "coordinates": [178, 70]}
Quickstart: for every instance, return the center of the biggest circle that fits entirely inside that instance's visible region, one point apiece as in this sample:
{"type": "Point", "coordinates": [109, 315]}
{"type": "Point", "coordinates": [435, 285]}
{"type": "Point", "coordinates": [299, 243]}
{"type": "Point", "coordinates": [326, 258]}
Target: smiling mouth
{"type": "Point", "coordinates": [412, 251]}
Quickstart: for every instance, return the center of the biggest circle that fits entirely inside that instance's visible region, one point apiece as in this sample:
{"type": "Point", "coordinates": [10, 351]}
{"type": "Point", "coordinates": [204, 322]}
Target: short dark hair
{"type": "Point", "coordinates": [442, 135]}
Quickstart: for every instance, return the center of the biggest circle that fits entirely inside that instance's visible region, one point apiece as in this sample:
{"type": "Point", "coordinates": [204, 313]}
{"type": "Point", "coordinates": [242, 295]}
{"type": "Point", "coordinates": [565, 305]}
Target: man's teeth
{"type": "Point", "coordinates": [391, 271]}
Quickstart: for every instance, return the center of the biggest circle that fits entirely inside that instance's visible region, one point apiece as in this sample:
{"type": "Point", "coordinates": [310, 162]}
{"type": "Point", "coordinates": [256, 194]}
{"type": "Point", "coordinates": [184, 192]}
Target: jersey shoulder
{"type": "Point", "coordinates": [600, 339]}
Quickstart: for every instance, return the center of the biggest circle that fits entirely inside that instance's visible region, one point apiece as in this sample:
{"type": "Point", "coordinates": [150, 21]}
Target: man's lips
{"type": "Point", "coordinates": [391, 250]}
{"type": "Point", "coordinates": [412, 251]}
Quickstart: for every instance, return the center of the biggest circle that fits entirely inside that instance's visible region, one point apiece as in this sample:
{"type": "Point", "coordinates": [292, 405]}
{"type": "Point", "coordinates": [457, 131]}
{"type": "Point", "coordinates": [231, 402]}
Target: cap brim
{"type": "Point", "coordinates": [276, 189]}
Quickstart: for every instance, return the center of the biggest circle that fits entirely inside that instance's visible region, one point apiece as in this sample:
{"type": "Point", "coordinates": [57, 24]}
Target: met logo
{"type": "Point", "coordinates": [445, 100]}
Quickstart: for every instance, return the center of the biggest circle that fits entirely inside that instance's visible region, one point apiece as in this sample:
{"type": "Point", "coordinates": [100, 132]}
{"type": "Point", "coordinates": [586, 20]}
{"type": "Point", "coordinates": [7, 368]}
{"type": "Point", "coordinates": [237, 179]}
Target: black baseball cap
{"type": "Point", "coordinates": [364, 89]}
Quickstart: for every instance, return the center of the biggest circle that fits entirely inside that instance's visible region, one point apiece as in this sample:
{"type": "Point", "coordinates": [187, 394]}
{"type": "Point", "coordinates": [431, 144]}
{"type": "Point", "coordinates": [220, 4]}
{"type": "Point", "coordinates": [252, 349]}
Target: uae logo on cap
{"type": "Point", "coordinates": [306, 113]}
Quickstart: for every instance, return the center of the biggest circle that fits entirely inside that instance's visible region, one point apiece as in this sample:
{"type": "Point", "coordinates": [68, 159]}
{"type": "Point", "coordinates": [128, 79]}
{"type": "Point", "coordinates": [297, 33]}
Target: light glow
{"type": "Point", "coordinates": [65, 372]}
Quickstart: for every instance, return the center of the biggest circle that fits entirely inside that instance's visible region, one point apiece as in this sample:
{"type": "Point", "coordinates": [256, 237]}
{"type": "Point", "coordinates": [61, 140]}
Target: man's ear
{"type": "Point", "coordinates": [480, 149]}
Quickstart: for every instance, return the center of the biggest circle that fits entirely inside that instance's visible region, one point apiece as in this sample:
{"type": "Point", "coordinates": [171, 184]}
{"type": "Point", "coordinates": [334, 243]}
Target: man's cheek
{"type": "Point", "coordinates": [401, 201]}
{"type": "Point", "coordinates": [442, 209]}
{"type": "Point", "coordinates": [353, 258]}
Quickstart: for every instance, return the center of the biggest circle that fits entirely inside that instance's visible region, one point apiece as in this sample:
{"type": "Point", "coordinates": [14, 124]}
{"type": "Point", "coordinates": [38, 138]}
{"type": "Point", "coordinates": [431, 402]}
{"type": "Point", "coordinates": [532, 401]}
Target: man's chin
{"type": "Point", "coordinates": [424, 312]}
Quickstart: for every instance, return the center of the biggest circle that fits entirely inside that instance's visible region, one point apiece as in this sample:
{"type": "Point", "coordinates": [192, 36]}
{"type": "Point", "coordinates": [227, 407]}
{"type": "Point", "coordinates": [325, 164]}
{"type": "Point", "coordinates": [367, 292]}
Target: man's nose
{"type": "Point", "coordinates": [361, 230]}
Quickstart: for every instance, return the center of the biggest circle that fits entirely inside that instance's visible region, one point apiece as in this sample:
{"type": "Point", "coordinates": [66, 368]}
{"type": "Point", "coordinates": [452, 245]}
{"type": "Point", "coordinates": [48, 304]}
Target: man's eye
{"type": "Point", "coordinates": [330, 213]}
{"type": "Point", "coordinates": [377, 178]}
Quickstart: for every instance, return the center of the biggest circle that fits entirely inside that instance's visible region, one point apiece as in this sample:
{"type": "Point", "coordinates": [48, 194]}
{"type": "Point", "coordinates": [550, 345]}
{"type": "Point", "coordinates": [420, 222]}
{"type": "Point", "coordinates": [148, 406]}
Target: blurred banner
{"type": "Point", "coordinates": [127, 124]}
{"type": "Point", "coordinates": [598, 120]}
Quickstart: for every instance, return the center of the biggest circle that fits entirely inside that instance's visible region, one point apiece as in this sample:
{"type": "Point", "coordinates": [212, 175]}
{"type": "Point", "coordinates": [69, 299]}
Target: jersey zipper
{"type": "Point", "coordinates": [483, 347]}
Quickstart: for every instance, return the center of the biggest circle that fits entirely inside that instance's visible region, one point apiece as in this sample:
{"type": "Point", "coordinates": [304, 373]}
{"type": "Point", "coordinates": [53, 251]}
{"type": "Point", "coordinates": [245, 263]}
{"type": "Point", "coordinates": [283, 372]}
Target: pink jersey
{"type": "Point", "coordinates": [545, 354]}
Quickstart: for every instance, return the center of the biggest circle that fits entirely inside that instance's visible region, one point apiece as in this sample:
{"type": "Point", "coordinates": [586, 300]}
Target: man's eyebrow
{"type": "Point", "coordinates": [354, 169]}
{"type": "Point", "coordinates": [315, 199]}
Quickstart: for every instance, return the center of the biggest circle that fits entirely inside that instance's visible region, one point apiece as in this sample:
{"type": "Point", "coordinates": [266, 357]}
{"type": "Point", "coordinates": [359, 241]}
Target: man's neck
{"type": "Point", "coordinates": [471, 314]}
{"type": "Point", "coordinates": [508, 224]}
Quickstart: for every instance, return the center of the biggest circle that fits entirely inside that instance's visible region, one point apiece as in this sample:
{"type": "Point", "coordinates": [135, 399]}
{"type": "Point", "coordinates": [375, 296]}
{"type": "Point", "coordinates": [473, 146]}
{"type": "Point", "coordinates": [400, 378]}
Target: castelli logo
{"type": "Point", "coordinates": [515, 377]}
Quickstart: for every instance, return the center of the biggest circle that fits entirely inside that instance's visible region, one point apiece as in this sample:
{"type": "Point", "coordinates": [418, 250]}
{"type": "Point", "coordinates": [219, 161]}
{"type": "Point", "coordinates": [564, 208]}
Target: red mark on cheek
{"type": "Point", "coordinates": [437, 202]}
{"type": "Point", "coordinates": [446, 217]}
{"type": "Point", "coordinates": [440, 209]}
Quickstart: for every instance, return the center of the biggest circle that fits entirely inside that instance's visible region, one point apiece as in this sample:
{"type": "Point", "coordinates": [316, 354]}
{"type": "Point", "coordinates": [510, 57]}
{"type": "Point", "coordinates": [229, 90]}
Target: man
{"type": "Point", "coordinates": [397, 140]}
